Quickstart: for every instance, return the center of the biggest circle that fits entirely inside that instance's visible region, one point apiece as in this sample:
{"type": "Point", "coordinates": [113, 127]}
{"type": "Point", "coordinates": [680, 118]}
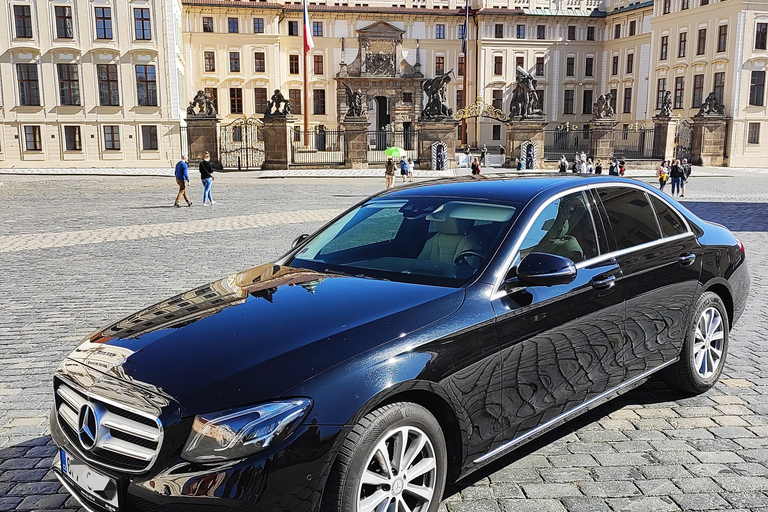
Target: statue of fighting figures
{"type": "Point", "coordinates": [711, 106]}
{"type": "Point", "coordinates": [602, 108]}
{"type": "Point", "coordinates": [437, 104]}
{"type": "Point", "coordinates": [525, 100]}
{"type": "Point", "coordinates": [204, 103]}
{"type": "Point", "coordinates": [666, 105]}
{"type": "Point", "coordinates": [356, 103]}
{"type": "Point", "coordinates": [278, 106]}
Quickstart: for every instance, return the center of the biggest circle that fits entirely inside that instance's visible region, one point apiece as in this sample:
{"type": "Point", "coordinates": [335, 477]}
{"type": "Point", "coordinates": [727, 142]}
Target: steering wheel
{"type": "Point", "coordinates": [462, 257]}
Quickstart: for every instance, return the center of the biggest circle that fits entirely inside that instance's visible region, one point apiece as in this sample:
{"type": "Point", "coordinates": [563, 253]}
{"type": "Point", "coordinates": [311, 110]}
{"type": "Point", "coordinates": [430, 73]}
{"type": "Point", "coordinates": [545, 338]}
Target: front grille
{"type": "Point", "coordinates": [126, 441]}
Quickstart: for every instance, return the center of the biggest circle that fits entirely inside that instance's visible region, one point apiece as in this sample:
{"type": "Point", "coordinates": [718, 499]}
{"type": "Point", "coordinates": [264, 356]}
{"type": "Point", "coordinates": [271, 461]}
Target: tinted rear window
{"type": "Point", "coordinates": [630, 215]}
{"type": "Point", "coordinates": [671, 223]}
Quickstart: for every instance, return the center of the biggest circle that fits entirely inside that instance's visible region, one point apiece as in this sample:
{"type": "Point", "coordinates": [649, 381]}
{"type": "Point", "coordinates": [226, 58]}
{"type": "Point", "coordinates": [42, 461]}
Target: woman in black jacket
{"type": "Point", "coordinates": [676, 173]}
{"type": "Point", "coordinates": [206, 174]}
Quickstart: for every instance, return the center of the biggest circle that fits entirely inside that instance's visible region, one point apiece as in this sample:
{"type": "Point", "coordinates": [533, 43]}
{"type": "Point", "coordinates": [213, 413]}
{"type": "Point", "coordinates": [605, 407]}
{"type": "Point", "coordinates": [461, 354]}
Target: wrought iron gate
{"type": "Point", "coordinates": [317, 146]}
{"type": "Point", "coordinates": [241, 144]}
{"type": "Point", "coordinates": [683, 140]}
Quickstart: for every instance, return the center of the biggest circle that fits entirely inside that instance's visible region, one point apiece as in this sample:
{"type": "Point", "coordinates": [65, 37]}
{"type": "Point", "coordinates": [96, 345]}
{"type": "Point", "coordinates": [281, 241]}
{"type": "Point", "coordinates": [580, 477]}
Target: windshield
{"type": "Point", "coordinates": [429, 240]}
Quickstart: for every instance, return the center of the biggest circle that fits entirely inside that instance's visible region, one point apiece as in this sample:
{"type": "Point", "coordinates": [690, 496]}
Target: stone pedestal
{"type": "Point", "coordinates": [708, 143]}
{"type": "Point", "coordinates": [356, 142]}
{"type": "Point", "coordinates": [664, 137]}
{"type": "Point", "coordinates": [277, 142]}
{"type": "Point", "coordinates": [202, 136]}
{"type": "Point", "coordinates": [601, 139]}
{"type": "Point", "coordinates": [432, 131]}
{"type": "Point", "coordinates": [521, 134]}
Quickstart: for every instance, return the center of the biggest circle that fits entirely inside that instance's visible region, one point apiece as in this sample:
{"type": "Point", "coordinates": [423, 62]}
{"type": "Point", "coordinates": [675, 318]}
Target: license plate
{"type": "Point", "coordinates": [95, 486]}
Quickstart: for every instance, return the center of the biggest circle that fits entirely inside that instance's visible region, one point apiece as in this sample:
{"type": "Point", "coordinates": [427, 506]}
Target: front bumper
{"type": "Point", "coordinates": [288, 478]}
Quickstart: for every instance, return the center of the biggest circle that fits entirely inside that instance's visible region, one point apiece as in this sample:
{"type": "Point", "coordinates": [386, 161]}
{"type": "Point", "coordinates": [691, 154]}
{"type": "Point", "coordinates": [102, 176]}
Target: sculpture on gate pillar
{"type": "Point", "coordinates": [278, 106]}
{"type": "Point", "coordinates": [355, 101]}
{"type": "Point", "coordinates": [437, 105]}
{"type": "Point", "coordinates": [666, 105]}
{"type": "Point", "coordinates": [711, 106]}
{"type": "Point", "coordinates": [602, 108]}
{"type": "Point", "coordinates": [204, 103]}
{"type": "Point", "coordinates": [525, 100]}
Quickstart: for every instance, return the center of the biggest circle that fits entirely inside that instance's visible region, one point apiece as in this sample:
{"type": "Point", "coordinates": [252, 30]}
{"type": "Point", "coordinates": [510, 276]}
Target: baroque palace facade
{"type": "Point", "coordinates": [133, 86]}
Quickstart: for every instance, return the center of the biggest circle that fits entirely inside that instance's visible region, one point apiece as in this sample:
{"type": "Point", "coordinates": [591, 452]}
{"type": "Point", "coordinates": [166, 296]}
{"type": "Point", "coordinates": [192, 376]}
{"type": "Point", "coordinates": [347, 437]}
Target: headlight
{"type": "Point", "coordinates": [236, 434]}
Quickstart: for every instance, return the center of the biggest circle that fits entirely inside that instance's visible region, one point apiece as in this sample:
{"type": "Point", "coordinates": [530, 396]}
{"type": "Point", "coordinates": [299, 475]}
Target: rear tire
{"type": "Point", "coordinates": [705, 348]}
{"type": "Point", "coordinates": [394, 454]}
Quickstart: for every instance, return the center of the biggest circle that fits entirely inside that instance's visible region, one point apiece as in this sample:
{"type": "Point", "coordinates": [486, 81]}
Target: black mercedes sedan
{"type": "Point", "coordinates": [421, 334]}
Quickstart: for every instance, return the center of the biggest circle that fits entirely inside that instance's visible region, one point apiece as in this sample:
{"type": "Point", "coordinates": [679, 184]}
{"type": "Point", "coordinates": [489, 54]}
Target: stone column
{"type": "Point", "coordinates": [708, 144]}
{"type": "Point", "coordinates": [438, 130]}
{"type": "Point", "coordinates": [521, 132]}
{"type": "Point", "coordinates": [202, 136]}
{"type": "Point", "coordinates": [664, 137]}
{"type": "Point", "coordinates": [277, 142]}
{"type": "Point", "coordinates": [356, 142]}
{"type": "Point", "coordinates": [601, 139]}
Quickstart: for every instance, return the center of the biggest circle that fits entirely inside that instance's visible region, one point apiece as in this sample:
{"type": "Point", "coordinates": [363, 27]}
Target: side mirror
{"type": "Point", "coordinates": [540, 269]}
{"type": "Point", "coordinates": [298, 240]}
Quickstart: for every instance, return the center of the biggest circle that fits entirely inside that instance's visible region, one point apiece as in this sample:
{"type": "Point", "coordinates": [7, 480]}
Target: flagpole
{"type": "Point", "coordinates": [466, 73]}
{"type": "Point", "coordinates": [307, 47]}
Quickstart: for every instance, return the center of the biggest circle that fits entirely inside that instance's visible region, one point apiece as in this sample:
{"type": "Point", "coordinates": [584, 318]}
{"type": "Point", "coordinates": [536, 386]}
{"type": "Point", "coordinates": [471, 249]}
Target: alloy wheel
{"type": "Point", "coordinates": [400, 473]}
{"type": "Point", "coordinates": [708, 342]}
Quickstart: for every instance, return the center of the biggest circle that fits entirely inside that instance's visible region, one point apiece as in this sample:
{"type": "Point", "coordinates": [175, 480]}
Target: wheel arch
{"type": "Point", "coordinates": [724, 292]}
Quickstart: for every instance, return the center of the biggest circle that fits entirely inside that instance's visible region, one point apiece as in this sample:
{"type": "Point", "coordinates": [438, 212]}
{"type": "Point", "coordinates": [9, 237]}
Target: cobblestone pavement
{"type": "Point", "coordinates": [92, 249]}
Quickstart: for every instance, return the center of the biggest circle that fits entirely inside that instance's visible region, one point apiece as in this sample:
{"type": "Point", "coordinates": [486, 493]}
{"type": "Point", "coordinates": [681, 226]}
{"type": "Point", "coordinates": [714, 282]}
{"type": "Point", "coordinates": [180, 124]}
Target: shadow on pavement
{"type": "Point", "coordinates": [735, 216]}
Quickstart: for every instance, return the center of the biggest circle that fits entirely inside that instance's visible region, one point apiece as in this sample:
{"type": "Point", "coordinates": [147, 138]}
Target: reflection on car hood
{"type": "Point", "coordinates": [254, 335]}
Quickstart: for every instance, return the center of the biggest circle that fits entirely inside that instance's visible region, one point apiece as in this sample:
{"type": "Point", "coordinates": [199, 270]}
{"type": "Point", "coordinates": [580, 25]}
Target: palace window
{"type": "Point", "coordinates": [233, 25]}
{"type": "Point", "coordinates": [661, 87]}
{"type": "Point", "coordinates": [568, 101]}
{"type": "Point", "coordinates": [541, 31]}
{"type": "Point", "coordinates": [753, 133]}
{"type": "Point", "coordinates": [679, 92]}
{"type": "Point", "coordinates": [72, 138]}
{"type": "Point", "coordinates": [617, 31]}
{"type": "Point", "coordinates": [722, 38]}
{"type": "Point", "coordinates": [664, 48]}
{"type": "Point", "coordinates": [32, 139]}
{"type": "Point", "coordinates": [293, 64]}
{"type": "Point", "coordinates": [570, 64]}
{"type": "Point", "coordinates": [23, 17]}
{"type": "Point", "coordinates": [704, 2]}
{"type": "Point", "coordinates": [260, 100]}
{"type": "Point", "coordinates": [521, 31]}
{"type": "Point", "coordinates": [235, 100]}
{"type": "Point", "coordinates": [69, 84]}
{"type": "Point", "coordinates": [614, 98]}
{"type": "Point", "coordinates": [719, 86]}
{"type": "Point", "coordinates": [498, 65]}
{"type": "Point", "coordinates": [29, 88]}
{"type": "Point", "coordinates": [461, 31]}
{"type": "Point", "coordinates": [439, 31]}
{"type": "Point", "coordinates": [589, 66]}
{"type": "Point", "coordinates": [615, 65]}
{"type": "Point", "coordinates": [460, 67]}
{"type": "Point", "coordinates": [294, 95]}
{"type": "Point", "coordinates": [103, 17]}
{"type": "Point", "coordinates": [146, 85]}
{"type": "Point", "coordinates": [459, 99]}
{"type": "Point", "coordinates": [698, 91]}
{"type": "Point", "coordinates": [112, 138]}
{"type": "Point", "coordinates": [318, 64]}
{"type": "Point", "coordinates": [407, 97]}
{"type": "Point", "coordinates": [757, 88]}
{"type": "Point", "coordinates": [498, 31]}
{"type": "Point", "coordinates": [439, 65]}
{"type": "Point", "coordinates": [520, 62]}
{"type": "Point", "coordinates": [627, 100]}
{"type": "Point", "coordinates": [586, 102]}
{"type": "Point", "coordinates": [109, 92]}
{"type": "Point", "coordinates": [258, 25]}
{"type": "Point", "coordinates": [207, 24]}
{"type": "Point", "coordinates": [590, 33]}
{"type": "Point", "coordinates": [64, 22]}
{"type": "Point", "coordinates": [318, 100]}
{"type": "Point", "coordinates": [149, 137]}
{"type": "Point", "coordinates": [701, 44]}
{"type": "Point", "coordinates": [209, 59]}
{"type": "Point", "coordinates": [632, 27]}
{"type": "Point", "coordinates": [497, 132]}
{"type": "Point", "coordinates": [234, 62]}
{"type": "Point", "coordinates": [293, 28]}
{"type": "Point", "coordinates": [630, 62]}
{"type": "Point", "coordinates": [317, 29]}
{"type": "Point", "coordinates": [540, 94]}
{"type": "Point", "coordinates": [260, 62]}
{"type": "Point", "coordinates": [498, 99]}
{"type": "Point", "coordinates": [539, 66]}
{"type": "Point", "coordinates": [682, 44]}
{"type": "Point", "coordinates": [761, 36]}
{"type": "Point", "coordinates": [667, 7]}
{"type": "Point", "coordinates": [142, 24]}
{"type": "Point", "coordinates": [571, 32]}
{"type": "Point", "coordinates": [684, 4]}
{"type": "Point", "coordinates": [213, 93]}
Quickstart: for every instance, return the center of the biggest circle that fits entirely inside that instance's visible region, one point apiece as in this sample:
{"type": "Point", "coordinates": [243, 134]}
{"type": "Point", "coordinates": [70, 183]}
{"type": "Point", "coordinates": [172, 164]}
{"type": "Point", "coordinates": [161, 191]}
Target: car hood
{"type": "Point", "coordinates": [255, 335]}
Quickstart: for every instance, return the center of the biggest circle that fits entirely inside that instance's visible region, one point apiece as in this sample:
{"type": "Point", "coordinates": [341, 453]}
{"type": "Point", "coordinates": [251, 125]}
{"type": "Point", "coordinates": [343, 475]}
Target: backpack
{"type": "Point", "coordinates": [687, 170]}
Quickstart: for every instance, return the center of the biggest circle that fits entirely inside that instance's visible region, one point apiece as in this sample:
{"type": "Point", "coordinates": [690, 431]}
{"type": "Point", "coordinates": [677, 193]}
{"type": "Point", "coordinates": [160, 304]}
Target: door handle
{"type": "Point", "coordinates": [604, 283]}
{"type": "Point", "coordinates": [687, 259]}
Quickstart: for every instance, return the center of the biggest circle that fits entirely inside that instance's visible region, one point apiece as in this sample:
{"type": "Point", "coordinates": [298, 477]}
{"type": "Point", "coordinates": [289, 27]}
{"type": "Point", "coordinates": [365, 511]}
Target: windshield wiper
{"type": "Point", "coordinates": [348, 274]}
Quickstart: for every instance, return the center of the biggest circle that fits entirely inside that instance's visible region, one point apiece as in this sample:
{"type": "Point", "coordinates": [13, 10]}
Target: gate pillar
{"type": "Point", "coordinates": [439, 130]}
{"type": "Point", "coordinates": [601, 139]}
{"type": "Point", "coordinates": [202, 136]}
{"type": "Point", "coordinates": [708, 143]}
{"type": "Point", "coordinates": [277, 143]}
{"type": "Point", "coordinates": [664, 137]}
{"type": "Point", "coordinates": [356, 142]}
{"type": "Point", "coordinates": [524, 133]}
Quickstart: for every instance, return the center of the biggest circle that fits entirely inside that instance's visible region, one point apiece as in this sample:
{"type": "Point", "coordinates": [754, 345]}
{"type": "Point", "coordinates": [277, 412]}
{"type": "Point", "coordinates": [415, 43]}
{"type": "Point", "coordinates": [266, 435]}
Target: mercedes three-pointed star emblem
{"type": "Point", "coordinates": [88, 427]}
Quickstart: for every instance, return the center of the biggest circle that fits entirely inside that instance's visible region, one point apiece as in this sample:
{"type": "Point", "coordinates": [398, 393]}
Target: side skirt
{"type": "Point", "coordinates": [572, 413]}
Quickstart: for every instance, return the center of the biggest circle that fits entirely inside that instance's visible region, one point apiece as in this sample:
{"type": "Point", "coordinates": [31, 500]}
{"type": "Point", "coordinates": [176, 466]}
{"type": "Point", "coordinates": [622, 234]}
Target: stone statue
{"type": "Point", "coordinates": [278, 106]}
{"type": "Point", "coordinates": [666, 105]}
{"type": "Point", "coordinates": [355, 101]}
{"type": "Point", "coordinates": [711, 106]}
{"type": "Point", "coordinates": [437, 105]}
{"type": "Point", "coordinates": [525, 100]}
{"type": "Point", "coordinates": [204, 103]}
{"type": "Point", "coordinates": [602, 108]}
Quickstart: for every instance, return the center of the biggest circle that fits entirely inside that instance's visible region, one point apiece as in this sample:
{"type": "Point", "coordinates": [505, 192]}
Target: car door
{"type": "Point", "coordinates": [559, 344]}
{"type": "Point", "coordinates": [660, 261]}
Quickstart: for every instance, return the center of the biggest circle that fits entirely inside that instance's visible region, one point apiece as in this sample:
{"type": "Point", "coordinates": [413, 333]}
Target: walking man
{"type": "Point", "coordinates": [684, 178]}
{"type": "Point", "coordinates": [182, 180]}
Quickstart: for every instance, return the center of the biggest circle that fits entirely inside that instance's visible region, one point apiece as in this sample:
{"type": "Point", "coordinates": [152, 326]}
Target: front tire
{"type": "Point", "coordinates": [393, 456]}
{"type": "Point", "coordinates": [705, 348]}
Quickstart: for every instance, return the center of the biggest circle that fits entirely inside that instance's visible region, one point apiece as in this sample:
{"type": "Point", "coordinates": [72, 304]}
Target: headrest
{"type": "Point", "coordinates": [451, 226]}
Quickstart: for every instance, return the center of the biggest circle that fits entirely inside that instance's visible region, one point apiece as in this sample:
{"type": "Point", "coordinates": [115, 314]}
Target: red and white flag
{"type": "Point", "coordinates": [309, 43]}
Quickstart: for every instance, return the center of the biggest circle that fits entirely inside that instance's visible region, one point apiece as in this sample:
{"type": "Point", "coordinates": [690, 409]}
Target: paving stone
{"type": "Point", "coordinates": [609, 489]}
{"type": "Point", "coordinates": [622, 459]}
{"type": "Point", "coordinates": [747, 500]}
{"type": "Point", "coordinates": [550, 490]}
{"type": "Point", "coordinates": [643, 504]}
{"type": "Point", "coordinates": [559, 475]}
{"type": "Point", "coordinates": [696, 485]}
{"type": "Point", "coordinates": [535, 505]}
{"type": "Point", "coordinates": [700, 501]}
{"type": "Point", "coordinates": [657, 487]}
{"type": "Point", "coordinates": [742, 483]}
{"type": "Point", "coordinates": [562, 461]}
{"type": "Point", "coordinates": [717, 457]}
{"type": "Point", "coordinates": [583, 504]}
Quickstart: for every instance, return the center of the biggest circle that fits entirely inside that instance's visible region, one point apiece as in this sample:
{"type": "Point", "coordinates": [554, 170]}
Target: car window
{"type": "Point", "coordinates": [630, 215]}
{"type": "Point", "coordinates": [671, 223]}
{"type": "Point", "coordinates": [563, 228]}
{"type": "Point", "coordinates": [380, 226]}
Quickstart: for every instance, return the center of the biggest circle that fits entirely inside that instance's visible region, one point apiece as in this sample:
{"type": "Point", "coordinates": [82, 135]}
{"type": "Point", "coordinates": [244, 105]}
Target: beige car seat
{"type": "Point", "coordinates": [452, 238]}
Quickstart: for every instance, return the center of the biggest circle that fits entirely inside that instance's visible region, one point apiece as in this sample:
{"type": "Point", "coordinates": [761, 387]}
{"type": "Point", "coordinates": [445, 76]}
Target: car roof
{"type": "Point", "coordinates": [500, 187]}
